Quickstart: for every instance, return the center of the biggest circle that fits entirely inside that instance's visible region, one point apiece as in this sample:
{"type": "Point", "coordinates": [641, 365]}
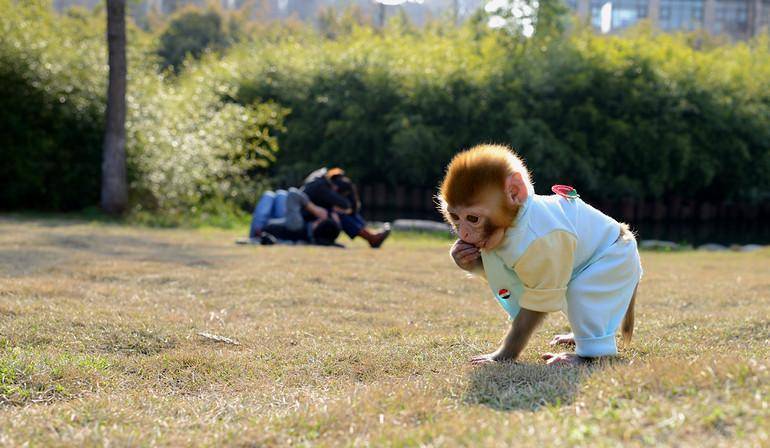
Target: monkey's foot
{"type": "Point", "coordinates": [563, 359]}
{"type": "Point", "coordinates": [563, 339]}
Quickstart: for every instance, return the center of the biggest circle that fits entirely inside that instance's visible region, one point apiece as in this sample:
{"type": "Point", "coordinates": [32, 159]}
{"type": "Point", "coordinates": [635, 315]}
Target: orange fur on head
{"type": "Point", "coordinates": [472, 174]}
{"type": "Point", "coordinates": [503, 213]}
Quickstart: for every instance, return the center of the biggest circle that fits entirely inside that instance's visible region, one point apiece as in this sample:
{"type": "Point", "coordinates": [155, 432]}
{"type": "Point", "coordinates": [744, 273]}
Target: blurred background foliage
{"type": "Point", "coordinates": [190, 147]}
{"type": "Point", "coordinates": [191, 31]}
{"type": "Point", "coordinates": [640, 115]}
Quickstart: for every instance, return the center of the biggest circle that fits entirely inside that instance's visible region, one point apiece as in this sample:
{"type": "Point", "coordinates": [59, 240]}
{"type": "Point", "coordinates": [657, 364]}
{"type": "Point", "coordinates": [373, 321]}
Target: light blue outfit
{"type": "Point", "coordinates": [563, 254]}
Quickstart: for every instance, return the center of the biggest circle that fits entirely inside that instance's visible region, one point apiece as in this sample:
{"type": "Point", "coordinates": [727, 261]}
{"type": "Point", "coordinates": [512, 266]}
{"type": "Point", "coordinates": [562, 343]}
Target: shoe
{"type": "Point", "coordinates": [268, 240]}
{"type": "Point", "coordinates": [380, 238]}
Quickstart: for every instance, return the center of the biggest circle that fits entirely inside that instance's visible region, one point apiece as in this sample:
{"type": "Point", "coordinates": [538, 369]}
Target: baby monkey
{"type": "Point", "coordinates": [541, 254]}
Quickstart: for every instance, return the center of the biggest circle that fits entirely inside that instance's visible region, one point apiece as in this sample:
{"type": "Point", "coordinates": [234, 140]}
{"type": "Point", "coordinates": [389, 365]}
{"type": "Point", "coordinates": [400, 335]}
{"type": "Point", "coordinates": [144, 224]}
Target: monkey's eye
{"type": "Point", "coordinates": [472, 219]}
{"type": "Point", "coordinates": [454, 217]}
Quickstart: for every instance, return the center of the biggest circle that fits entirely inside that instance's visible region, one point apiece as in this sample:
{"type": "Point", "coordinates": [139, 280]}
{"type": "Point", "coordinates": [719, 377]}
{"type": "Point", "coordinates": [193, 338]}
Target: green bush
{"type": "Point", "coordinates": [641, 116]}
{"type": "Point", "coordinates": [192, 32]}
{"type": "Point", "coordinates": [52, 82]}
{"type": "Point", "coordinates": [189, 147]}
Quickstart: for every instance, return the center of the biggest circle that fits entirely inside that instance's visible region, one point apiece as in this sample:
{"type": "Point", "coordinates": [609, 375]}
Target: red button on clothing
{"type": "Point", "coordinates": [504, 294]}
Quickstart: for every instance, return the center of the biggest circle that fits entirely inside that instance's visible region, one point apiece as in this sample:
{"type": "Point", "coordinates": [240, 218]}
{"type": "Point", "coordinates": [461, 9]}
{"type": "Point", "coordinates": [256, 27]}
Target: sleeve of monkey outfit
{"type": "Point", "coordinates": [545, 269]}
{"type": "Point", "coordinates": [530, 270]}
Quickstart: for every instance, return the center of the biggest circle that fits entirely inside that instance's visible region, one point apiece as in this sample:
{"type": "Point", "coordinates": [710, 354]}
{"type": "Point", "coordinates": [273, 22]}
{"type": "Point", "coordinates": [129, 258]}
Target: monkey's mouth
{"type": "Point", "coordinates": [490, 241]}
{"type": "Point", "coordinates": [477, 244]}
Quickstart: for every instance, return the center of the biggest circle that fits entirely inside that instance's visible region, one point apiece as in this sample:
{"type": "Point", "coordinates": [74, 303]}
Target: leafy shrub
{"type": "Point", "coordinates": [192, 32]}
{"type": "Point", "coordinates": [641, 116]}
{"type": "Point", "coordinates": [188, 145]}
{"type": "Point", "coordinates": [52, 83]}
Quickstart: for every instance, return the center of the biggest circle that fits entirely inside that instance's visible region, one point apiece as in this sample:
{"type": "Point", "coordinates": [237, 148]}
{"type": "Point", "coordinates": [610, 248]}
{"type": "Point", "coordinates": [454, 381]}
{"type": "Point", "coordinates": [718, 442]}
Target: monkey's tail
{"type": "Point", "coordinates": [627, 327]}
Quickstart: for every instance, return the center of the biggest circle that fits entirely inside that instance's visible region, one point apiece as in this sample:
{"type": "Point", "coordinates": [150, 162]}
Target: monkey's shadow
{"type": "Point", "coordinates": [512, 386]}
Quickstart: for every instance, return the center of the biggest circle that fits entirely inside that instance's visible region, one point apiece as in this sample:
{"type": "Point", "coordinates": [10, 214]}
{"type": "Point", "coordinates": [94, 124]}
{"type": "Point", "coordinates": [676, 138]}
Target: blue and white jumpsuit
{"type": "Point", "coordinates": [561, 254]}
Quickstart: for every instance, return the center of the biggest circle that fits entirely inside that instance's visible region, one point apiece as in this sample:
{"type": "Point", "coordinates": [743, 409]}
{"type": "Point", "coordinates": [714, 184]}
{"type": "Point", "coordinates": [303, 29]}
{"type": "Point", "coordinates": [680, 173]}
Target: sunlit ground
{"type": "Point", "coordinates": [99, 344]}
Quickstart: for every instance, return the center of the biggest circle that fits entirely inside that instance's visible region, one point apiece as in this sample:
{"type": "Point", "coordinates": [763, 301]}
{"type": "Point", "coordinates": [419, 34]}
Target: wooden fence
{"type": "Point", "coordinates": [420, 202]}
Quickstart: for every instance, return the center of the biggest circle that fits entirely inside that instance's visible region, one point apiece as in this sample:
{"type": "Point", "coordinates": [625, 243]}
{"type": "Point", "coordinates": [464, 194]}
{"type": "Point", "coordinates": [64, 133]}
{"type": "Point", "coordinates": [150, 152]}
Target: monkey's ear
{"type": "Point", "coordinates": [516, 189]}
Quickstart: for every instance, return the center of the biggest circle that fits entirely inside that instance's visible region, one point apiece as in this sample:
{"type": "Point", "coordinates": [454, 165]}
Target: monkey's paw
{"type": "Point", "coordinates": [489, 358]}
{"type": "Point", "coordinates": [563, 359]}
{"type": "Point", "coordinates": [563, 339]}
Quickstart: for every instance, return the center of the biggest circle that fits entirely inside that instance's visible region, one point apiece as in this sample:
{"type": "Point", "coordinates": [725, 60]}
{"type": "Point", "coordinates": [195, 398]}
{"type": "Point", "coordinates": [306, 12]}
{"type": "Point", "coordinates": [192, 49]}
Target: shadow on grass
{"type": "Point", "coordinates": [55, 248]}
{"type": "Point", "coordinates": [133, 248]}
{"type": "Point", "coordinates": [516, 386]}
{"type": "Point", "coordinates": [16, 263]}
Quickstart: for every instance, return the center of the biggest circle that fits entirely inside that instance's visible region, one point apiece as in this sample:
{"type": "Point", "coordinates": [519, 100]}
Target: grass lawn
{"type": "Point", "coordinates": [99, 345]}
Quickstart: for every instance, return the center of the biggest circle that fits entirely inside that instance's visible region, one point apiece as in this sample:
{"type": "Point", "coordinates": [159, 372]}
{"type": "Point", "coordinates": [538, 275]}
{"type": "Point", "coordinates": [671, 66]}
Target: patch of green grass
{"type": "Point", "coordinates": [220, 217]}
{"type": "Point", "coordinates": [29, 377]}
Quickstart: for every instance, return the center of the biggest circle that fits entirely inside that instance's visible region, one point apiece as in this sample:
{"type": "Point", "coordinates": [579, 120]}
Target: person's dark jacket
{"type": "Point", "coordinates": [321, 192]}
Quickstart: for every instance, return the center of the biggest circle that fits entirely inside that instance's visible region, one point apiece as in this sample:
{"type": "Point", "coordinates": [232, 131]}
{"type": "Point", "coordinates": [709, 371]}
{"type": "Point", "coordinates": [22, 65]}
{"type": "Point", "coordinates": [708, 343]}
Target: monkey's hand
{"type": "Point", "coordinates": [491, 358]}
{"type": "Point", "coordinates": [466, 256]}
{"type": "Point", "coordinates": [514, 342]}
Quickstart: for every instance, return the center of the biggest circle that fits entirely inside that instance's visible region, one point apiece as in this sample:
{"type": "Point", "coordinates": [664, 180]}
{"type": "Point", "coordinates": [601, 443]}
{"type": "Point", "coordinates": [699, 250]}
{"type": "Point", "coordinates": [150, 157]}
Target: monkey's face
{"type": "Point", "coordinates": [470, 223]}
{"type": "Point", "coordinates": [482, 224]}
{"type": "Point", "coordinates": [482, 192]}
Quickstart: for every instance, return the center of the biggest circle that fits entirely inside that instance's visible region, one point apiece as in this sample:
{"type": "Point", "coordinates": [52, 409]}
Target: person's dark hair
{"type": "Point", "coordinates": [326, 232]}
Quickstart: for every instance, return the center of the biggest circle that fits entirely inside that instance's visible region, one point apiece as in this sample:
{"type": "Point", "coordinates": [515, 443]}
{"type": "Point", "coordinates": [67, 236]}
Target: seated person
{"type": "Point", "coordinates": [285, 206]}
{"type": "Point", "coordinates": [321, 231]}
{"type": "Point", "coordinates": [281, 212]}
{"type": "Point", "coordinates": [332, 190]}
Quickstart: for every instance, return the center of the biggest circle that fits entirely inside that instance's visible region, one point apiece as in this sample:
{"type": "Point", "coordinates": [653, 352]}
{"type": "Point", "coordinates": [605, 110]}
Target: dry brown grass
{"type": "Point", "coordinates": [99, 345]}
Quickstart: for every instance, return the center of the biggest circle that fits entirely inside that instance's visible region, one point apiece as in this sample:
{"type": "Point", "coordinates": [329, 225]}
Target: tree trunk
{"type": "Point", "coordinates": [381, 15]}
{"type": "Point", "coordinates": [114, 184]}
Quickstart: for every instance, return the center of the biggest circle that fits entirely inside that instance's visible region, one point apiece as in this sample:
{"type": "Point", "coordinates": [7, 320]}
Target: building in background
{"type": "Point", "coordinates": [418, 13]}
{"type": "Point", "coordinates": [739, 19]}
{"type": "Point", "coordinates": [305, 10]}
